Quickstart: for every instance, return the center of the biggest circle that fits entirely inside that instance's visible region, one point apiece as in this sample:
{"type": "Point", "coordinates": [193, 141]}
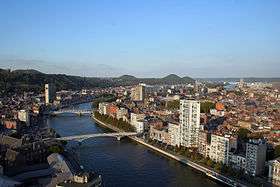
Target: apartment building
{"type": "Point", "coordinates": [237, 161]}
{"type": "Point", "coordinates": [102, 108]}
{"type": "Point", "coordinates": [255, 157]}
{"type": "Point", "coordinates": [23, 116]}
{"type": "Point", "coordinates": [160, 134]}
{"type": "Point", "coordinates": [137, 121]}
{"type": "Point", "coordinates": [49, 93]}
{"type": "Point", "coordinates": [274, 171]}
{"type": "Point", "coordinates": [121, 113]}
{"type": "Point", "coordinates": [189, 122]}
{"type": "Point", "coordinates": [174, 131]}
{"type": "Point", "coordinates": [204, 140]}
{"type": "Point", "coordinates": [138, 93]}
{"type": "Point", "coordinates": [219, 150]}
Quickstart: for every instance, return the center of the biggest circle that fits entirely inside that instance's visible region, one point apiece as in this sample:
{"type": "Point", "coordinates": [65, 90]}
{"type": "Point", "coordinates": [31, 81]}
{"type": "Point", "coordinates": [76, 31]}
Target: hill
{"type": "Point", "coordinates": [169, 80]}
{"type": "Point", "coordinates": [246, 79]}
{"type": "Point", "coordinates": [18, 81]}
{"type": "Point", "coordinates": [27, 71]}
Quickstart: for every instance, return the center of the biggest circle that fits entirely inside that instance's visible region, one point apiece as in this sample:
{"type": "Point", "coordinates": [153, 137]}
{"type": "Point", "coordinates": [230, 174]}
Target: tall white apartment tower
{"type": "Point", "coordinates": [189, 122]}
{"type": "Point", "coordinates": [138, 93]}
{"type": "Point", "coordinates": [49, 93]}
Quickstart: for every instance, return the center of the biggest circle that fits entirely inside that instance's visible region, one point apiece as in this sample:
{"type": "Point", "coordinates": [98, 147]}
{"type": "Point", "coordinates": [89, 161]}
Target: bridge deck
{"type": "Point", "coordinates": [71, 112]}
{"type": "Point", "coordinates": [87, 136]}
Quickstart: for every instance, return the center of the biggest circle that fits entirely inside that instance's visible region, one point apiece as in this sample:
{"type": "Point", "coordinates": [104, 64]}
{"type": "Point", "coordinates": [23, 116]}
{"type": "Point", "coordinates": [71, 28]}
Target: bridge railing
{"type": "Point", "coordinates": [71, 111]}
{"type": "Point", "coordinates": [88, 136]}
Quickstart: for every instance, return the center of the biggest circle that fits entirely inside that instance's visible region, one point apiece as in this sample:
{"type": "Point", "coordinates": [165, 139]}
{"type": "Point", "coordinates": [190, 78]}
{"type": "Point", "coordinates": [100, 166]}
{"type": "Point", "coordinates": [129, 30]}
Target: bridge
{"type": "Point", "coordinates": [81, 138]}
{"type": "Point", "coordinates": [71, 111]}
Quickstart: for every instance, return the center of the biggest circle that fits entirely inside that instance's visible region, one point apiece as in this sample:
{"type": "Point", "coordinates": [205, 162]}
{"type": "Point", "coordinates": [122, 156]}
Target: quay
{"type": "Point", "coordinates": [208, 172]}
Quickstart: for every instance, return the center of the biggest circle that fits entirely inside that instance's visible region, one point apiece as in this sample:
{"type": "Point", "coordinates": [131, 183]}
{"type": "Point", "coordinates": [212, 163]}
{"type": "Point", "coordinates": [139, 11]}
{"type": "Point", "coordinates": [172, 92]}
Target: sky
{"type": "Point", "coordinates": [145, 38]}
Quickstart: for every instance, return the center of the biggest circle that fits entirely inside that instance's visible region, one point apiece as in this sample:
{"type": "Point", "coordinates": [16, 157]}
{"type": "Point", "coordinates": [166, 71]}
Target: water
{"type": "Point", "coordinates": [125, 163]}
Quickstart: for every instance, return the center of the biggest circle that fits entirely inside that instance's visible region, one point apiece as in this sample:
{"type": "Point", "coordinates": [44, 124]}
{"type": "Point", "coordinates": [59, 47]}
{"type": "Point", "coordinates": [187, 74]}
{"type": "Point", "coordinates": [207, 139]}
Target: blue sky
{"type": "Point", "coordinates": [147, 38]}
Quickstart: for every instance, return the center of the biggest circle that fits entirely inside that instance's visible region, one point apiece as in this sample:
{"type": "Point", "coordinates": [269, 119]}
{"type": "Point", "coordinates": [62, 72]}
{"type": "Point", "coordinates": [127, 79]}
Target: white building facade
{"type": "Point", "coordinates": [174, 131]}
{"type": "Point", "coordinates": [137, 121]}
{"type": "Point", "coordinates": [102, 108]}
{"type": "Point", "coordinates": [219, 150]}
{"type": "Point", "coordinates": [121, 113]}
{"type": "Point", "coordinates": [189, 122]}
{"type": "Point", "coordinates": [274, 171]}
{"type": "Point", "coordinates": [23, 116]}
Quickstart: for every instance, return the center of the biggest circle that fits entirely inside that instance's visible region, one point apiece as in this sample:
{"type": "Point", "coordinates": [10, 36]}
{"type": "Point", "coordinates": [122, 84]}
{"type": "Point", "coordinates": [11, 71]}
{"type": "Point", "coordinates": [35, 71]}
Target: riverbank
{"type": "Point", "coordinates": [210, 173]}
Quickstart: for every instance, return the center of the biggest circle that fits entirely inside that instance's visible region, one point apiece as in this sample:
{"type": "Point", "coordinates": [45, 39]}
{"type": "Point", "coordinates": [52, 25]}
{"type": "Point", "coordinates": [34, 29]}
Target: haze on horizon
{"type": "Point", "coordinates": [235, 38]}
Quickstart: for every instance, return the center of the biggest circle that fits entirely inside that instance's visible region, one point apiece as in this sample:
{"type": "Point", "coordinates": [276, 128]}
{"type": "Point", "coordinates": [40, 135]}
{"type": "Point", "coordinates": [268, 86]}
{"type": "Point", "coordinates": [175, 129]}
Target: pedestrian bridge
{"type": "Point", "coordinates": [71, 111]}
{"type": "Point", "coordinates": [81, 138]}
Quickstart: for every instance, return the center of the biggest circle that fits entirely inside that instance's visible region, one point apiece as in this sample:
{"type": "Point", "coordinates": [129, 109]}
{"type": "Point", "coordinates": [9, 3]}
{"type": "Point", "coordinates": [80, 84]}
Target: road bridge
{"type": "Point", "coordinates": [81, 138]}
{"type": "Point", "coordinates": [71, 111]}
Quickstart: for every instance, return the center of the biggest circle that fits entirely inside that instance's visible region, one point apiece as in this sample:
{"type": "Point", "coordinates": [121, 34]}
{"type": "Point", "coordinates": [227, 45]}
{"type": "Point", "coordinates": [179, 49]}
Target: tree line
{"type": "Point", "coordinates": [119, 123]}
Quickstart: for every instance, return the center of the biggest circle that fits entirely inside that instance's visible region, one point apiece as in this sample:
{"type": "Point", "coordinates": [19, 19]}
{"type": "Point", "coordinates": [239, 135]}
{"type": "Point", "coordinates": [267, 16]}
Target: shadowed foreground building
{"type": "Point", "coordinates": [69, 173]}
{"type": "Point", "coordinates": [255, 157]}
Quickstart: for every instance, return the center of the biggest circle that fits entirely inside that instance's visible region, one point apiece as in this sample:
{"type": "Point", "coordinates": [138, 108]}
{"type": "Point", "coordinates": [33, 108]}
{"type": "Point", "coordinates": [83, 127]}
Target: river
{"type": "Point", "coordinates": [125, 163]}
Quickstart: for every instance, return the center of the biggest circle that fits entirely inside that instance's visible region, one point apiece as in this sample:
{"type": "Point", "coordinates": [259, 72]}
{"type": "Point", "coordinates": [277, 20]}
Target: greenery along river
{"type": "Point", "coordinates": [125, 163]}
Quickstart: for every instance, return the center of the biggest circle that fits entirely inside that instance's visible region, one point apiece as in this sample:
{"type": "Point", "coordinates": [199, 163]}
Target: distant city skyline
{"type": "Point", "coordinates": [145, 39]}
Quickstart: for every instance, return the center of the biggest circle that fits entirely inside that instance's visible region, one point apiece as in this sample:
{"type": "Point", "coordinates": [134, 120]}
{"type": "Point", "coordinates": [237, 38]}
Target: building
{"type": "Point", "coordinates": [189, 122]}
{"type": "Point", "coordinates": [23, 116]}
{"type": "Point", "coordinates": [160, 134]}
{"type": "Point", "coordinates": [22, 152]}
{"type": "Point", "coordinates": [121, 113]}
{"type": "Point", "coordinates": [212, 90]}
{"type": "Point", "coordinates": [204, 140]}
{"type": "Point", "coordinates": [219, 150]}
{"type": "Point", "coordinates": [174, 131]}
{"type": "Point", "coordinates": [134, 117]}
{"type": "Point", "coordinates": [70, 173]}
{"type": "Point", "coordinates": [112, 110]}
{"type": "Point", "coordinates": [237, 161]}
{"type": "Point", "coordinates": [139, 126]}
{"type": "Point", "coordinates": [216, 112]}
{"type": "Point", "coordinates": [274, 171]}
{"type": "Point", "coordinates": [221, 147]}
{"type": "Point", "coordinates": [49, 93]}
{"type": "Point", "coordinates": [241, 83]}
{"type": "Point", "coordinates": [11, 124]}
{"type": "Point", "coordinates": [102, 108]}
{"type": "Point", "coordinates": [137, 121]}
{"type": "Point", "coordinates": [138, 93]}
{"type": "Point", "coordinates": [255, 157]}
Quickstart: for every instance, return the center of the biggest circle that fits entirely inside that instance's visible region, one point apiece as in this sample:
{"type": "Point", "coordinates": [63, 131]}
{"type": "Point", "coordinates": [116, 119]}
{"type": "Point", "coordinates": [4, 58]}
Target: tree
{"type": "Point", "coordinates": [56, 149]}
{"type": "Point", "coordinates": [206, 106]}
{"type": "Point", "coordinates": [243, 134]}
{"type": "Point", "coordinates": [218, 167]}
{"type": "Point", "coordinates": [119, 123]}
{"type": "Point", "coordinates": [173, 105]}
{"type": "Point", "coordinates": [277, 151]}
{"type": "Point", "coordinates": [64, 142]}
{"type": "Point", "coordinates": [210, 163]}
